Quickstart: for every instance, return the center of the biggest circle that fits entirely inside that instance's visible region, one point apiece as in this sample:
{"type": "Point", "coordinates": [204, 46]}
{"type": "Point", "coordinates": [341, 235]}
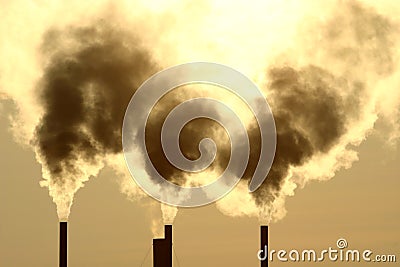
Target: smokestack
{"type": "Point", "coordinates": [63, 244]}
{"type": "Point", "coordinates": [162, 249]}
{"type": "Point", "coordinates": [264, 245]}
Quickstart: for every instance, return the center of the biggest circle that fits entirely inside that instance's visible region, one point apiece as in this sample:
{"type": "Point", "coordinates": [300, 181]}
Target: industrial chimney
{"type": "Point", "coordinates": [264, 245]}
{"type": "Point", "coordinates": [162, 249]}
{"type": "Point", "coordinates": [63, 244]}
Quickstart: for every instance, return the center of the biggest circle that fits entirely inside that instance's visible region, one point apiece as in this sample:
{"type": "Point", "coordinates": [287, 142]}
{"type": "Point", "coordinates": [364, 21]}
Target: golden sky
{"type": "Point", "coordinates": [349, 190]}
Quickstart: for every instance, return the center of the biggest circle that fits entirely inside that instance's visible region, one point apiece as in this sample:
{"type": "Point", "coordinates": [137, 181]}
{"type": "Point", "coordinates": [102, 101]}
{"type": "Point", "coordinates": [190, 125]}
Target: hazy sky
{"type": "Point", "coordinates": [330, 71]}
{"type": "Point", "coordinates": [105, 229]}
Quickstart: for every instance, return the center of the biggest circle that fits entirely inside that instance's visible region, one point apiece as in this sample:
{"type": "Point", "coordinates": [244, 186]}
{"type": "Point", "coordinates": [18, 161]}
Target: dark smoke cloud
{"type": "Point", "coordinates": [86, 88]}
{"type": "Point", "coordinates": [84, 92]}
{"type": "Point", "coordinates": [312, 107]}
{"type": "Point", "coordinates": [191, 135]}
{"type": "Point", "coordinates": [310, 117]}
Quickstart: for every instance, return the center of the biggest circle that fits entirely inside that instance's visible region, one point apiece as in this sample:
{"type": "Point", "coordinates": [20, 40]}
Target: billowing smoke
{"type": "Point", "coordinates": [189, 138]}
{"type": "Point", "coordinates": [327, 79]}
{"type": "Point", "coordinates": [84, 92]}
{"type": "Point", "coordinates": [310, 117]}
{"type": "Point", "coordinates": [323, 111]}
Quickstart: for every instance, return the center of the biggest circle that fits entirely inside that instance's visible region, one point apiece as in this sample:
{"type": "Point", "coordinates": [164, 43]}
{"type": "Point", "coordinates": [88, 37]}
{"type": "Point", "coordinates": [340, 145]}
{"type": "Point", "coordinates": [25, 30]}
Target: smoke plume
{"type": "Point", "coordinates": [323, 112]}
{"type": "Point", "coordinates": [84, 92]}
{"type": "Point", "coordinates": [328, 71]}
{"type": "Point", "coordinates": [310, 116]}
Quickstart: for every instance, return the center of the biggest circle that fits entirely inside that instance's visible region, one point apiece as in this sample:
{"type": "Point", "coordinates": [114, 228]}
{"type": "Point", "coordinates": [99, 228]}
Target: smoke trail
{"type": "Point", "coordinates": [84, 92]}
{"type": "Point", "coordinates": [310, 117]}
{"type": "Point", "coordinates": [322, 113]}
{"type": "Point", "coordinates": [83, 79]}
{"type": "Point", "coordinates": [189, 137]}
{"type": "Point", "coordinates": [343, 68]}
{"type": "Point", "coordinates": [168, 213]}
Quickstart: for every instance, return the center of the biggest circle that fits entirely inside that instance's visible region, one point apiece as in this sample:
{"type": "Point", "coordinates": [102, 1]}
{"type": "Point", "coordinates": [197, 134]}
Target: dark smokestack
{"type": "Point", "coordinates": [162, 249]}
{"type": "Point", "coordinates": [63, 244]}
{"type": "Point", "coordinates": [264, 244]}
